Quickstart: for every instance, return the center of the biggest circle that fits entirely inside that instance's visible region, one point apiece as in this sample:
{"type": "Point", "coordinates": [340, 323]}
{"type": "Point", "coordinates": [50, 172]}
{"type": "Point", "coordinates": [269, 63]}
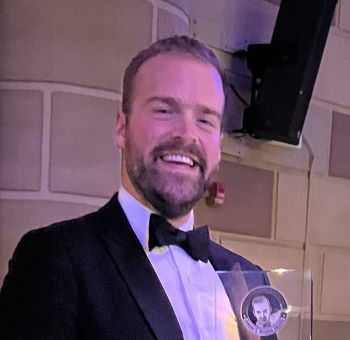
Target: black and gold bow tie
{"type": "Point", "coordinates": [195, 242]}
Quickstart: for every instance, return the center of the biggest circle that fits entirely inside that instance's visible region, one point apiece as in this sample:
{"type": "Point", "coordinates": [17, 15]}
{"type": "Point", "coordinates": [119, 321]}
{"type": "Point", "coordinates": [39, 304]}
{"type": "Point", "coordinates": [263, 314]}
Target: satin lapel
{"type": "Point", "coordinates": [134, 266]}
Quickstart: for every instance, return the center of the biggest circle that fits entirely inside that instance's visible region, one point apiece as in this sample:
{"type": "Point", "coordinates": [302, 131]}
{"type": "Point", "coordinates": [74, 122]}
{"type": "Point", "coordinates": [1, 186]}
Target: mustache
{"type": "Point", "coordinates": [177, 144]}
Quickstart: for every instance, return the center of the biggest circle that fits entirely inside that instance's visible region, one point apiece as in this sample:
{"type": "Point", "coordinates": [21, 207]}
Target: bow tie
{"type": "Point", "coordinates": [195, 242]}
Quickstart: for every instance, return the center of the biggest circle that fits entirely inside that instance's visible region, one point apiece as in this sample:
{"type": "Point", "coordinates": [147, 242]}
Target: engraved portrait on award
{"type": "Point", "coordinates": [264, 311]}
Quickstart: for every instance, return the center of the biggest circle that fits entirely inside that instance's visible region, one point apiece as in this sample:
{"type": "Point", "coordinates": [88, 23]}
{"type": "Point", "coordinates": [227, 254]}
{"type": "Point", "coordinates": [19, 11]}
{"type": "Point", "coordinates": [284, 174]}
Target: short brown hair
{"type": "Point", "coordinates": [178, 44]}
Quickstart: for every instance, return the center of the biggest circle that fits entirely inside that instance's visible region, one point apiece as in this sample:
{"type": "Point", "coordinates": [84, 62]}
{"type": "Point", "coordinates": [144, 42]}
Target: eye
{"type": "Point", "coordinates": [206, 121]}
{"type": "Point", "coordinates": [162, 110]}
{"type": "Point", "coordinates": [209, 121]}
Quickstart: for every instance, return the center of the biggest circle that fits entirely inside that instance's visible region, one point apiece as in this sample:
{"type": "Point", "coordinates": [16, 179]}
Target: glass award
{"type": "Point", "coordinates": [275, 304]}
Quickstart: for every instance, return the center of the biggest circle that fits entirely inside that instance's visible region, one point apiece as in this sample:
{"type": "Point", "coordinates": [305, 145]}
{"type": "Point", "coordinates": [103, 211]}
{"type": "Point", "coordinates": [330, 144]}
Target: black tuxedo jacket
{"type": "Point", "coordinates": [89, 278]}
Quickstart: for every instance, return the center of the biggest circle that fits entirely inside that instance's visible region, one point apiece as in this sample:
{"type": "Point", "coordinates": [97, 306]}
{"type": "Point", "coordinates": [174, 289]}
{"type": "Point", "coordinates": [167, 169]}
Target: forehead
{"type": "Point", "coordinates": [260, 305]}
{"type": "Point", "coordinates": [180, 76]}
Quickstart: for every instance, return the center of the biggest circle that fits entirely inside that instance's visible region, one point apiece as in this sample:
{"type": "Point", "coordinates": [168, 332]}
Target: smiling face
{"type": "Point", "coordinates": [171, 138]}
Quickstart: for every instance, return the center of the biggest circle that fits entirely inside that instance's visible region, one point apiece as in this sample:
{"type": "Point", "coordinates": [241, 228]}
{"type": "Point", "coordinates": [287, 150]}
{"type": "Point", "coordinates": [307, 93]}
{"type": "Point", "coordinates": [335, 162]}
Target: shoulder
{"type": "Point", "coordinates": [69, 232]}
{"type": "Point", "coordinates": [52, 251]}
{"type": "Point", "coordinates": [41, 281]}
{"type": "Point", "coordinates": [224, 259]}
{"type": "Point", "coordinates": [48, 245]}
{"type": "Point", "coordinates": [51, 235]}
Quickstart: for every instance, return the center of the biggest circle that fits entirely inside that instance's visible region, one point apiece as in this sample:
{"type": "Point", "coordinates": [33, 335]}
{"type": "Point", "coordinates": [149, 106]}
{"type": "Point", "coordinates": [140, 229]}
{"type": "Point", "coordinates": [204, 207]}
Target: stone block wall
{"type": "Point", "coordinates": [61, 68]}
{"type": "Point", "coordinates": [305, 223]}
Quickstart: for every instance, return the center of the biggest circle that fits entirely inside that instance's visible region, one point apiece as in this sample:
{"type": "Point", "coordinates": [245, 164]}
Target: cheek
{"type": "Point", "coordinates": [213, 145]}
{"type": "Point", "coordinates": [149, 130]}
{"type": "Point", "coordinates": [138, 132]}
{"type": "Point", "coordinates": [142, 138]}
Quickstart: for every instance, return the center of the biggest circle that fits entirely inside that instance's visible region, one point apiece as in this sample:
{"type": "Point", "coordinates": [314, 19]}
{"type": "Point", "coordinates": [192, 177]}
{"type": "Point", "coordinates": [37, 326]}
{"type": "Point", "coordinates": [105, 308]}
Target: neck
{"type": "Point", "coordinates": [175, 222]}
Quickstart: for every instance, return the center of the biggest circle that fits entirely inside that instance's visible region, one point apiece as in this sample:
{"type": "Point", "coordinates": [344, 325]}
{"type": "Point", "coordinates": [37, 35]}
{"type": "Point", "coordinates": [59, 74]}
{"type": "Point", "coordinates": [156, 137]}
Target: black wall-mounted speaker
{"type": "Point", "coordinates": [284, 76]}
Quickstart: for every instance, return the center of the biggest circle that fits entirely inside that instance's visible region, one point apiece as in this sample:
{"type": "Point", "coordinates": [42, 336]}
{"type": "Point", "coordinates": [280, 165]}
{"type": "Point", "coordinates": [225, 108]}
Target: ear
{"type": "Point", "coordinates": [120, 121]}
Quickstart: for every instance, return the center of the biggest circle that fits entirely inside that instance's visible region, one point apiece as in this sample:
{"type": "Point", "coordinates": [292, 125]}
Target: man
{"type": "Point", "coordinates": [108, 275]}
{"type": "Point", "coordinates": [262, 311]}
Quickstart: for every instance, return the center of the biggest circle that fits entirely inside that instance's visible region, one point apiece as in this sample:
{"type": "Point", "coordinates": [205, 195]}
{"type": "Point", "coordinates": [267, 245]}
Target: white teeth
{"type": "Point", "coordinates": [178, 159]}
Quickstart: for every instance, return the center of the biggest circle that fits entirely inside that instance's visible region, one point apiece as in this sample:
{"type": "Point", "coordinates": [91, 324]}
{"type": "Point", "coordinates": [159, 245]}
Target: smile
{"type": "Point", "coordinates": [176, 158]}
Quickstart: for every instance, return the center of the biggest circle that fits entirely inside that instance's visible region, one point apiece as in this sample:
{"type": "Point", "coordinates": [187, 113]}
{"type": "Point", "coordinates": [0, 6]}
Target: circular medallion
{"type": "Point", "coordinates": [264, 311]}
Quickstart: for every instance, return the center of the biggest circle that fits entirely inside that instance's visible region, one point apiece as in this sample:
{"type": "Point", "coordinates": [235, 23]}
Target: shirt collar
{"type": "Point", "coordinates": [138, 216]}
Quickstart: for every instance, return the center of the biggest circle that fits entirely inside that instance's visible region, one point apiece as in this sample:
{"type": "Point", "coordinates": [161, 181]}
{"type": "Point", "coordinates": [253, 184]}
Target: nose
{"type": "Point", "coordinates": [185, 127]}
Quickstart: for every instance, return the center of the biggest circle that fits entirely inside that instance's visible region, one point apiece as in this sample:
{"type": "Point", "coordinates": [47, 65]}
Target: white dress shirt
{"type": "Point", "coordinates": [193, 288]}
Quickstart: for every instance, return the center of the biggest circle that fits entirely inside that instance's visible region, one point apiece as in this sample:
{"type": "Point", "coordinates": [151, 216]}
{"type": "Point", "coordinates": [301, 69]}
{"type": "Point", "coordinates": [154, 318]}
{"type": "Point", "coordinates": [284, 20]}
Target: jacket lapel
{"type": "Point", "coordinates": [133, 264]}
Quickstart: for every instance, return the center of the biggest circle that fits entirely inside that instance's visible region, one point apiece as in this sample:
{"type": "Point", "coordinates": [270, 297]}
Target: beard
{"type": "Point", "coordinates": [263, 320]}
{"type": "Point", "coordinates": [171, 194]}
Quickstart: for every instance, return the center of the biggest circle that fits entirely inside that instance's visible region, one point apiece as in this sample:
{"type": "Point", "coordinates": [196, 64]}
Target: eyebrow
{"type": "Point", "coordinates": [176, 103]}
{"type": "Point", "coordinates": [164, 100]}
{"type": "Point", "coordinates": [207, 110]}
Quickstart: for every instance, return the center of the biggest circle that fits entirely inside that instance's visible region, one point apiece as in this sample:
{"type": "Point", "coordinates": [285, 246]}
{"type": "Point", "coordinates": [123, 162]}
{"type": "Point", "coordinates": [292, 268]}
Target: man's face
{"type": "Point", "coordinates": [171, 139]}
{"type": "Point", "coordinates": [262, 312]}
